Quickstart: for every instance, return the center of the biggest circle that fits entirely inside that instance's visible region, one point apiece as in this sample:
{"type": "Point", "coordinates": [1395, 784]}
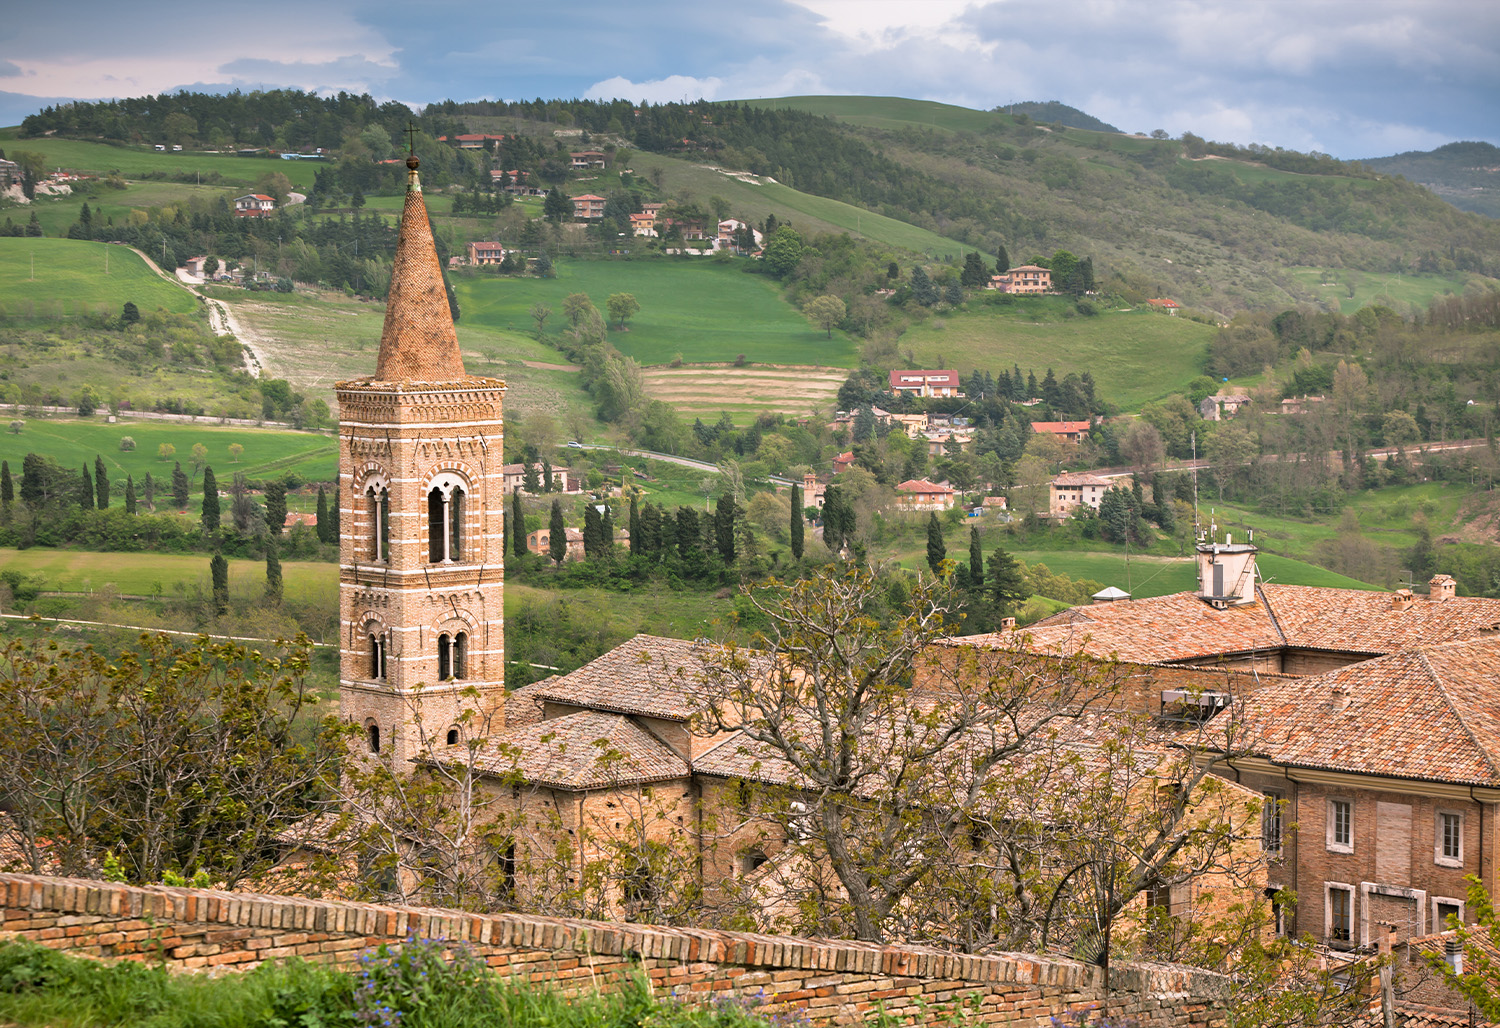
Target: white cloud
{"type": "Point", "coordinates": [672, 89]}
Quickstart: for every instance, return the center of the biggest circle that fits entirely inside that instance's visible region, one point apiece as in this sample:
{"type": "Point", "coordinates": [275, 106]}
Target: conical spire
{"type": "Point", "coordinates": [418, 343]}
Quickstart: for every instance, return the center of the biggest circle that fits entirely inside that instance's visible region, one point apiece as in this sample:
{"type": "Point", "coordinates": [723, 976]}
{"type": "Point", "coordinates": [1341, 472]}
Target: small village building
{"type": "Point", "coordinates": [515, 478]}
{"type": "Point", "coordinates": [588, 206]}
{"type": "Point", "coordinates": [920, 494]}
{"type": "Point", "coordinates": [486, 253]}
{"type": "Point", "coordinates": [1068, 431]}
{"type": "Point", "coordinates": [254, 205]}
{"type": "Point", "coordinates": [926, 383]}
{"type": "Point", "coordinates": [1163, 304]}
{"type": "Point", "coordinates": [1029, 278]}
{"type": "Point", "coordinates": [1222, 406]}
{"type": "Point", "coordinates": [581, 160]}
{"type": "Point", "coordinates": [1072, 490]}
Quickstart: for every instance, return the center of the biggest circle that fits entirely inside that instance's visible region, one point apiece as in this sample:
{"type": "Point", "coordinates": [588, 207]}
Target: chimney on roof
{"type": "Point", "coordinates": [1342, 696]}
{"type": "Point", "coordinates": [1007, 624]}
{"type": "Point", "coordinates": [1441, 587]}
{"type": "Point", "coordinates": [1402, 600]}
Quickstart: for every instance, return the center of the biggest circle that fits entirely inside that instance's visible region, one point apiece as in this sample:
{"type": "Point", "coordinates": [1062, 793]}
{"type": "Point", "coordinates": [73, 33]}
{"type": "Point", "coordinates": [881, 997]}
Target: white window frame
{"type": "Point", "coordinates": [1438, 924]}
{"type": "Point", "coordinates": [1333, 843]}
{"type": "Point", "coordinates": [1329, 888]}
{"type": "Point", "coordinates": [1439, 856]}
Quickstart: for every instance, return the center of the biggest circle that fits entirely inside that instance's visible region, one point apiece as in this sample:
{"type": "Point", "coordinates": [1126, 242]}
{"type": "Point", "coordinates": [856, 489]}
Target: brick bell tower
{"type": "Point", "coordinates": [421, 555]}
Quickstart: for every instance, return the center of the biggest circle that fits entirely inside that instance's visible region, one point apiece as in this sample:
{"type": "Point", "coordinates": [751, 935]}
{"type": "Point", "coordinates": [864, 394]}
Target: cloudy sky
{"type": "Point", "coordinates": [1354, 78]}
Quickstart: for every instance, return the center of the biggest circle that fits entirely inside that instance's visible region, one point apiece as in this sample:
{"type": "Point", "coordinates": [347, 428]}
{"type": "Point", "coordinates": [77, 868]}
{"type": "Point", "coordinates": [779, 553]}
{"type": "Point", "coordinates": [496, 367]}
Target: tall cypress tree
{"type": "Point", "coordinates": [546, 475]}
{"type": "Point", "coordinates": [593, 533]}
{"type": "Point", "coordinates": [937, 550]}
{"type": "Point", "coordinates": [273, 574]}
{"type": "Point", "coordinates": [518, 524]}
{"type": "Point", "coordinates": [179, 486]}
{"type": "Point", "coordinates": [1005, 582]}
{"type": "Point", "coordinates": [7, 489]}
{"type": "Point", "coordinates": [797, 522]}
{"type": "Point", "coordinates": [322, 515]}
{"type": "Point", "coordinates": [635, 524]}
{"type": "Point", "coordinates": [557, 535]}
{"type": "Point", "coordinates": [218, 571]}
{"type": "Point", "coordinates": [334, 514]}
{"type": "Point", "coordinates": [129, 494]}
{"type": "Point", "coordinates": [86, 490]}
{"type": "Point", "coordinates": [210, 500]}
{"type": "Point", "coordinates": [101, 483]}
{"type": "Point", "coordinates": [275, 507]}
{"type": "Point", "coordinates": [976, 559]}
{"type": "Point", "coordinates": [149, 492]}
{"type": "Point", "coordinates": [724, 513]}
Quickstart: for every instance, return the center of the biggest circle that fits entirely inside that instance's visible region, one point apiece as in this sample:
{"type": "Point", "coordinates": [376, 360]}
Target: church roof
{"type": "Point", "coordinates": [588, 749]}
{"type": "Point", "coordinates": [648, 675]}
{"type": "Point", "coordinates": [418, 343]}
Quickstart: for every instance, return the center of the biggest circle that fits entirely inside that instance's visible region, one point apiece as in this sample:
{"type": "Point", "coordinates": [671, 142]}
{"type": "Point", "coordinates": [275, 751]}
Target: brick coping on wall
{"type": "Point", "coordinates": [195, 928]}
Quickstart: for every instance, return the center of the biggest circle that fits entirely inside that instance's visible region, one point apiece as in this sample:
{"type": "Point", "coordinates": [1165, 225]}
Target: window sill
{"type": "Point", "coordinates": [1453, 862]}
{"type": "Point", "coordinates": [1334, 847]}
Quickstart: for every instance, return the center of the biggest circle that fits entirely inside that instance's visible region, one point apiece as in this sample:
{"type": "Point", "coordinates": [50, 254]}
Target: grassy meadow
{"type": "Point", "coordinates": [168, 574]}
{"type": "Point", "coordinates": [74, 443]}
{"type": "Point", "coordinates": [1331, 287]}
{"type": "Point", "coordinates": [700, 309]}
{"type": "Point", "coordinates": [67, 277]}
{"type": "Point", "coordinates": [1036, 333]}
{"type": "Point", "coordinates": [138, 161]}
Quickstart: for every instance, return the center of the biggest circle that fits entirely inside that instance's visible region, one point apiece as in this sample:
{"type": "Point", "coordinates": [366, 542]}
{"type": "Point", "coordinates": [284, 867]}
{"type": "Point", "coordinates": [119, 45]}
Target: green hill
{"type": "Point", "coordinates": [1467, 175]}
{"type": "Point", "coordinates": [66, 277]}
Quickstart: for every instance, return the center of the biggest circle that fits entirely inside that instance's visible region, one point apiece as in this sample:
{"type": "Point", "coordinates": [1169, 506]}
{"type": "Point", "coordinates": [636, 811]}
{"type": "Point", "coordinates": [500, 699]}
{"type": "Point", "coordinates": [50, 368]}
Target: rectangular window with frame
{"type": "Point", "coordinates": [1341, 826]}
{"type": "Point", "coordinates": [1448, 844]}
{"type": "Point", "coordinates": [1270, 823]}
{"type": "Point", "coordinates": [1340, 915]}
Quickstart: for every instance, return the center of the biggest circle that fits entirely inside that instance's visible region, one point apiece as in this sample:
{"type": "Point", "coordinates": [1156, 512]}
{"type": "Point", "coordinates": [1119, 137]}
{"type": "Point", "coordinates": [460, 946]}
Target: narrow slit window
{"type": "Point", "coordinates": [373, 737]}
{"type": "Point", "coordinates": [461, 655]}
{"type": "Point", "coordinates": [445, 657]}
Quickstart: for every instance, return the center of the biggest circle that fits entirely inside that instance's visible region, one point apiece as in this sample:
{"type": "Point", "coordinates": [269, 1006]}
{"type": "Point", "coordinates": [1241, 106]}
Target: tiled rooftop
{"type": "Point", "coordinates": [589, 749]}
{"type": "Point", "coordinates": [1431, 713]}
{"type": "Point", "coordinates": [648, 675]}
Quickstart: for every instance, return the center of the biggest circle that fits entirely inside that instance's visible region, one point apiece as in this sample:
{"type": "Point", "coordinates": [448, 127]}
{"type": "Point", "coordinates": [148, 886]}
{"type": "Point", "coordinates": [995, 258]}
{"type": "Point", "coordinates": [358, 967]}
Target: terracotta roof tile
{"type": "Point", "coordinates": [1367, 622]}
{"type": "Point", "coordinates": [648, 675]}
{"type": "Point", "coordinates": [589, 749]}
{"type": "Point", "coordinates": [1431, 714]}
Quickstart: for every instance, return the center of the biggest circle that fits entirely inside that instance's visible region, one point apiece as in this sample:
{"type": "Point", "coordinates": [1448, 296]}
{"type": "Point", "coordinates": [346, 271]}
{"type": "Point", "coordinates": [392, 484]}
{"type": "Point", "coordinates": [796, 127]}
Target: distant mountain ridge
{"type": "Point", "coordinates": [1466, 174]}
{"type": "Point", "coordinates": [1057, 113]}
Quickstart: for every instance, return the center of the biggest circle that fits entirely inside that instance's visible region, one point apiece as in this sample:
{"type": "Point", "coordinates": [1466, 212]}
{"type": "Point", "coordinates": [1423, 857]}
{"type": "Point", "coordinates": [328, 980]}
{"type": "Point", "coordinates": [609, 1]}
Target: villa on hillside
{"type": "Point", "coordinates": [588, 206]}
{"type": "Point", "coordinates": [486, 253]}
{"type": "Point", "coordinates": [254, 205]}
{"type": "Point", "coordinates": [1028, 278]}
{"type": "Point", "coordinates": [926, 383]}
{"type": "Point", "coordinates": [1072, 490]}
{"type": "Point", "coordinates": [1069, 431]}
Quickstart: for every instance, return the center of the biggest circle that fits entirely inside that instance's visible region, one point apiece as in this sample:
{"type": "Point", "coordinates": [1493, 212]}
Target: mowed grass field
{"type": "Point", "coordinates": [70, 277]}
{"type": "Point", "coordinates": [1135, 356]}
{"type": "Point", "coordinates": [1369, 288]}
{"type": "Point", "coordinates": [707, 391]}
{"type": "Point", "coordinates": [76, 443]}
{"type": "Point", "coordinates": [167, 574]}
{"type": "Point", "coordinates": [697, 308]}
{"type": "Point", "coordinates": [135, 161]}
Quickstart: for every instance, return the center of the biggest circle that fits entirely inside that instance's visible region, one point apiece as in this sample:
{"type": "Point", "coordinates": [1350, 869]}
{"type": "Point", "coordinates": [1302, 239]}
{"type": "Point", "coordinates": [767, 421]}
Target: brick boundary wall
{"type": "Point", "coordinates": [830, 981]}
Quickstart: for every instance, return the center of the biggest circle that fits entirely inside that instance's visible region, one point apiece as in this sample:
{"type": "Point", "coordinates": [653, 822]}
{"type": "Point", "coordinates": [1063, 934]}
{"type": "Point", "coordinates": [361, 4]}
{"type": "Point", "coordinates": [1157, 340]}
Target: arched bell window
{"type": "Point", "coordinates": [372, 737]}
{"type": "Point", "coordinates": [377, 655]}
{"type": "Point", "coordinates": [445, 518]}
{"type": "Point", "coordinates": [378, 499]}
{"type": "Point", "coordinates": [452, 655]}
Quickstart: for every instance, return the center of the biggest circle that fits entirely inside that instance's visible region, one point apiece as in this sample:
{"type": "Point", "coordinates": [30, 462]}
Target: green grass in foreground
{"type": "Point", "coordinates": [1135, 356]}
{"type": "Point", "coordinates": [74, 443]}
{"type": "Point", "coordinates": [415, 986]}
{"type": "Point", "coordinates": [699, 308]}
{"type": "Point", "coordinates": [70, 276]}
{"type": "Point", "coordinates": [166, 574]}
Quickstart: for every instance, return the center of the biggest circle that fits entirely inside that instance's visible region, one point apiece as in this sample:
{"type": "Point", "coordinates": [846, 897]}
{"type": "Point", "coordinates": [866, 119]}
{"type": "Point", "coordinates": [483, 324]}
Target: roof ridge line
{"type": "Point", "coordinates": [1265, 599]}
{"type": "Point", "coordinates": [1441, 682]}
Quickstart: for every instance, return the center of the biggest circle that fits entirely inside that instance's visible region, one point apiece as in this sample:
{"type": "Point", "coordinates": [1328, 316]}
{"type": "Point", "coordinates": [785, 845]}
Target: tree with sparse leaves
{"type": "Point", "coordinates": [827, 312]}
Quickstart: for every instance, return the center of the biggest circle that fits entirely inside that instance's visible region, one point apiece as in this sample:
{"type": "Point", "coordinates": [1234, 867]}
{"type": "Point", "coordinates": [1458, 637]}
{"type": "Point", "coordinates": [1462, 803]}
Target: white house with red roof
{"type": "Point", "coordinates": [254, 205]}
{"type": "Point", "coordinates": [926, 383]}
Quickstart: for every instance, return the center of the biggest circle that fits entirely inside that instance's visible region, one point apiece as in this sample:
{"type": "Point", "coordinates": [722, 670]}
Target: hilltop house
{"type": "Point", "coordinates": [254, 205]}
{"type": "Point", "coordinates": [1028, 278]}
{"type": "Point", "coordinates": [920, 494]}
{"type": "Point", "coordinates": [486, 253]}
{"type": "Point", "coordinates": [926, 383]}
{"type": "Point", "coordinates": [1067, 492]}
{"type": "Point", "coordinates": [588, 206]}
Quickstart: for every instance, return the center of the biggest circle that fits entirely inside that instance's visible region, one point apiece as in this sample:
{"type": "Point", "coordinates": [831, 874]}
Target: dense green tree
{"type": "Point", "coordinates": [101, 484]}
{"type": "Point", "coordinates": [827, 312]}
{"type": "Point", "coordinates": [937, 550]}
{"type": "Point", "coordinates": [7, 489]}
{"type": "Point", "coordinates": [322, 514]}
{"type": "Point", "coordinates": [275, 499]}
{"type": "Point", "coordinates": [724, 514]}
{"type": "Point", "coordinates": [1002, 259]}
{"type": "Point", "coordinates": [211, 511]}
{"type": "Point", "coordinates": [218, 571]}
{"type": "Point", "coordinates": [635, 523]}
{"type": "Point", "coordinates": [622, 307]}
{"type": "Point", "coordinates": [333, 518]}
{"type": "Point", "coordinates": [839, 520]}
{"type": "Point", "coordinates": [1005, 581]}
{"type": "Point", "coordinates": [179, 486]}
{"type": "Point", "coordinates": [32, 481]}
{"type": "Point", "coordinates": [557, 207]}
{"type": "Point", "coordinates": [976, 273]}
{"type": "Point", "coordinates": [530, 481]}
{"type": "Point", "coordinates": [547, 484]}
{"type": "Point", "coordinates": [517, 524]}
{"type": "Point", "coordinates": [557, 539]}
{"type": "Point", "coordinates": [273, 573]}
{"type": "Point", "coordinates": [976, 558]}
{"type": "Point", "coordinates": [783, 251]}
{"type": "Point", "coordinates": [129, 494]}
{"type": "Point", "coordinates": [148, 492]}
{"type": "Point", "coordinates": [129, 314]}
{"type": "Point", "coordinates": [86, 490]}
{"type": "Point", "coordinates": [593, 533]}
{"type": "Point", "coordinates": [797, 524]}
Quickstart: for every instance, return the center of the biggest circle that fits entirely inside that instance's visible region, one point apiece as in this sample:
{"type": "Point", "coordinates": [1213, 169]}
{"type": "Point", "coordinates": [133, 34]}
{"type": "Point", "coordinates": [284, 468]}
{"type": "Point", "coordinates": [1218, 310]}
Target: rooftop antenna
{"type": "Point", "coordinates": [1197, 526]}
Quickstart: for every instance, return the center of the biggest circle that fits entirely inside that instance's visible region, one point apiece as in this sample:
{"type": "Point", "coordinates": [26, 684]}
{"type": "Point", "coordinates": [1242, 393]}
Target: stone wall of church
{"type": "Point", "coordinates": [827, 981]}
